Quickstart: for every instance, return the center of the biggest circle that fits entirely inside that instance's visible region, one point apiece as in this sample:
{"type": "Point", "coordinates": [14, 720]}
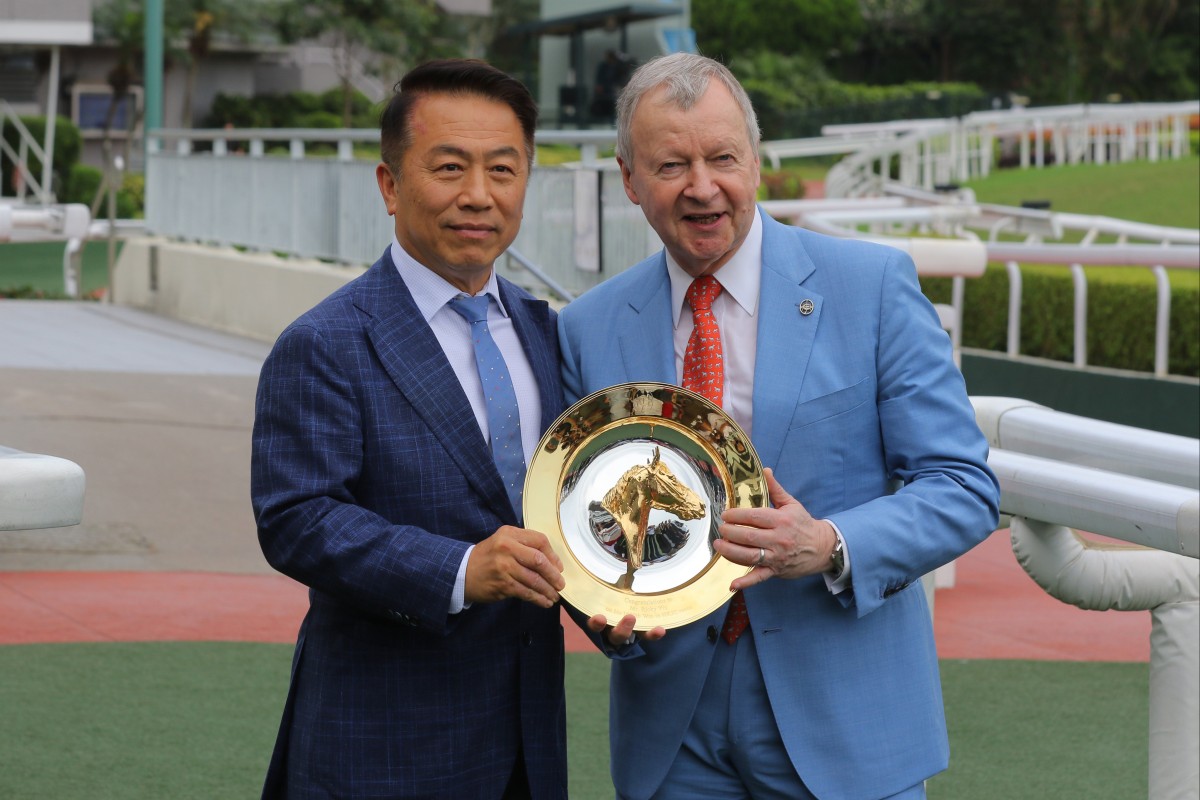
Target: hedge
{"type": "Point", "coordinates": [67, 145]}
{"type": "Point", "coordinates": [290, 110]}
{"type": "Point", "coordinates": [1120, 322]}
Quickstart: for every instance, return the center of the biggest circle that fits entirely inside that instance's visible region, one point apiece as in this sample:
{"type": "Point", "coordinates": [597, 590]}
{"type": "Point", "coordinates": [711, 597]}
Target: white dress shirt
{"type": "Point", "coordinates": [431, 292]}
{"type": "Point", "coordinates": [736, 313]}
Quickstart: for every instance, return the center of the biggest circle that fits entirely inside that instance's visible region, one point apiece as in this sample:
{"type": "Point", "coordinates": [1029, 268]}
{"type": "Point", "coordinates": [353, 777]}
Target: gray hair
{"type": "Point", "coordinates": [686, 76]}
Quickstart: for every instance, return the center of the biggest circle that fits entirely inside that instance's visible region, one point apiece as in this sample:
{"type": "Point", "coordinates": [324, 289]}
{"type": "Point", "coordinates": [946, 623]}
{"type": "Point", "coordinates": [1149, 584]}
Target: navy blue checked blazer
{"type": "Point", "coordinates": [370, 478]}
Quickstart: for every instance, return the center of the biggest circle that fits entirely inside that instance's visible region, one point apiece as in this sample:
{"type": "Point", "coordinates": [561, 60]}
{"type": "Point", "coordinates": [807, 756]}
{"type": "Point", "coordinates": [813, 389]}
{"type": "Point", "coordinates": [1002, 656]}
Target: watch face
{"type": "Point", "coordinates": [629, 485]}
{"type": "Point", "coordinates": [837, 559]}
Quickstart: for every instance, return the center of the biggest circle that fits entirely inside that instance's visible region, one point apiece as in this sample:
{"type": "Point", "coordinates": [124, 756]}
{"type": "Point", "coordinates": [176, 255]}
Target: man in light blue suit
{"type": "Point", "coordinates": [836, 365]}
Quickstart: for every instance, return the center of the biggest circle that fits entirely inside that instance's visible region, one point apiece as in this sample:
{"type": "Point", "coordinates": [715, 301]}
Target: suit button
{"type": "Point", "coordinates": [712, 634]}
{"type": "Point", "coordinates": [527, 638]}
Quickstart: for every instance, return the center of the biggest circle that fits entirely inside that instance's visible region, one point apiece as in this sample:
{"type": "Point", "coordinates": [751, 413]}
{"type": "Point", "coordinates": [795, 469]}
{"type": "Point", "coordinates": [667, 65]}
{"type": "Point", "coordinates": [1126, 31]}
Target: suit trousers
{"type": "Point", "coordinates": [732, 749]}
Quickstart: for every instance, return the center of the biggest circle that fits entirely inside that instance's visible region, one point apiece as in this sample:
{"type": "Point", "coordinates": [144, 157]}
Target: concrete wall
{"type": "Point", "coordinates": [249, 294]}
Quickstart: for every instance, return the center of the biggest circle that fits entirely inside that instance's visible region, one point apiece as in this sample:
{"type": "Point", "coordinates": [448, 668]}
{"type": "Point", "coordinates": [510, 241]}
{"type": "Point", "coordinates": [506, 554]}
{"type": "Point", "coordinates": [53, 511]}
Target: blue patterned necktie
{"type": "Point", "coordinates": [503, 414]}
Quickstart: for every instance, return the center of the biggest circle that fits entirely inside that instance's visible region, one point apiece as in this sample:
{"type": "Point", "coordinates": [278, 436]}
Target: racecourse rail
{"type": "Point", "coordinates": [302, 193]}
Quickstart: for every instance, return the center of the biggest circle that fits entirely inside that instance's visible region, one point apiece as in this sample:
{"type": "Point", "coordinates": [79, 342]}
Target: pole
{"type": "Point", "coordinates": [51, 122]}
{"type": "Point", "coordinates": [153, 68]}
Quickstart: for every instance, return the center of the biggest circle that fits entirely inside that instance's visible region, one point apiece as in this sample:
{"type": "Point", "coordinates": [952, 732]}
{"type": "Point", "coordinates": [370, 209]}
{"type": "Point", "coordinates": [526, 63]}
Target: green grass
{"type": "Point", "coordinates": [36, 268]}
{"type": "Point", "coordinates": [1161, 193]}
{"type": "Point", "coordinates": [198, 720]}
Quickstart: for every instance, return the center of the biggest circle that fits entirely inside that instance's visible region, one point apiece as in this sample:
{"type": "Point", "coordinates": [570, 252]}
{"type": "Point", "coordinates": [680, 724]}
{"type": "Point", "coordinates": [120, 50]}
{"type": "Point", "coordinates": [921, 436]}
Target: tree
{"type": "Point", "coordinates": [1052, 51]}
{"type": "Point", "coordinates": [726, 29]}
{"type": "Point", "coordinates": [121, 22]}
{"type": "Point", "coordinates": [405, 30]}
{"type": "Point", "coordinates": [199, 23]}
{"type": "Point", "coordinates": [1137, 49]}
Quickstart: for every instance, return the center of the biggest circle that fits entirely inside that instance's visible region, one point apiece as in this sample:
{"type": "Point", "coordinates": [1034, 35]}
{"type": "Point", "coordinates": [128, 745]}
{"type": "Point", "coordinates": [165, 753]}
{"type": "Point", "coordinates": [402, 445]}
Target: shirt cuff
{"type": "Point", "coordinates": [842, 582]}
{"type": "Point", "coordinates": [458, 598]}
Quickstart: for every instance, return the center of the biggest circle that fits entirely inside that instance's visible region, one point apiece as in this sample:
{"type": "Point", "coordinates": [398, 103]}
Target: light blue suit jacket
{"type": "Point", "coordinates": [851, 401]}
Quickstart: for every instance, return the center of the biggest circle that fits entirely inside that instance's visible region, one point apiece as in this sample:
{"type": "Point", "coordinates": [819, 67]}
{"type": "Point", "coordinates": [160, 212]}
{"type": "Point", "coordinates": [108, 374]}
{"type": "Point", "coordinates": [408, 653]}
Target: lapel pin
{"type": "Point", "coordinates": [806, 307]}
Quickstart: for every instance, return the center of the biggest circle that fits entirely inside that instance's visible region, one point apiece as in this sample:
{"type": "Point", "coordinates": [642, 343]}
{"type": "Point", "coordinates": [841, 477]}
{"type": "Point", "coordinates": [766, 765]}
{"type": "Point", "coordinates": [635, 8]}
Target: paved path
{"type": "Point", "coordinates": [158, 414]}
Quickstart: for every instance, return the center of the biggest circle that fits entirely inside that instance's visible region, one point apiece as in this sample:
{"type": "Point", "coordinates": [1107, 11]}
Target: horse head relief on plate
{"type": "Point", "coordinates": [630, 484]}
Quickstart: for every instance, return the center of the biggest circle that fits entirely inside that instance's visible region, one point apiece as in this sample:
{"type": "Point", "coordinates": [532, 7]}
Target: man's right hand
{"type": "Point", "coordinates": [514, 562]}
{"type": "Point", "coordinates": [620, 634]}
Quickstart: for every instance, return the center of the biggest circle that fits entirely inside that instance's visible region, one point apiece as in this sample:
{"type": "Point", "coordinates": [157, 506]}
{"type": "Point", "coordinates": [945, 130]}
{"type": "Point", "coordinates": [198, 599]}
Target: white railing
{"type": "Point", "coordinates": [929, 153]}
{"type": "Point", "coordinates": [71, 222]}
{"type": "Point", "coordinates": [27, 185]}
{"type": "Point", "coordinates": [1060, 473]}
{"type": "Point", "coordinates": [1103, 241]}
{"type": "Point", "coordinates": [580, 228]}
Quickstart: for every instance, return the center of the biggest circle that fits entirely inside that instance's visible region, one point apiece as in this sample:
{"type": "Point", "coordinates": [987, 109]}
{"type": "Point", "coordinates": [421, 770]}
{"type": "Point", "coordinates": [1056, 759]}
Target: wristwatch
{"type": "Point", "coordinates": [837, 559]}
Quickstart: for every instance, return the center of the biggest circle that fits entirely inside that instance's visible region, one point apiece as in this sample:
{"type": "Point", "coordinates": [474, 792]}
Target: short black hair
{"type": "Point", "coordinates": [451, 76]}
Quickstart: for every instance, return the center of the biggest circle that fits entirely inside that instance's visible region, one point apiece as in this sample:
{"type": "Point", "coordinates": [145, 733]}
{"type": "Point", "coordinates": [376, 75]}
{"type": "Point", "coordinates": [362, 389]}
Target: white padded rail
{"type": "Point", "coordinates": [1025, 427]}
{"type": "Point", "coordinates": [1125, 507]}
{"type": "Point", "coordinates": [38, 491]}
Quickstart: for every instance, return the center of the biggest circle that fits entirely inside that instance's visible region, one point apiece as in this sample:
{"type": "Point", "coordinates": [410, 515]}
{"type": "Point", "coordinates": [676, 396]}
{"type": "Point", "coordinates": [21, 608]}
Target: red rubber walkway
{"type": "Point", "coordinates": [994, 611]}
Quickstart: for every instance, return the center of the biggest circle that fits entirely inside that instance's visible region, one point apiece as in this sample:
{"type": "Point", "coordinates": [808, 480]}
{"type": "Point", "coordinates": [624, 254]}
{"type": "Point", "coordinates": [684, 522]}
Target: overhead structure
{"type": "Point", "coordinates": [612, 19]}
{"type": "Point", "coordinates": [52, 24]}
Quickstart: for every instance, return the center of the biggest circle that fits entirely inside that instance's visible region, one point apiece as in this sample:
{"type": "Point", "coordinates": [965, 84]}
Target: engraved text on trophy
{"type": "Point", "coordinates": [644, 487]}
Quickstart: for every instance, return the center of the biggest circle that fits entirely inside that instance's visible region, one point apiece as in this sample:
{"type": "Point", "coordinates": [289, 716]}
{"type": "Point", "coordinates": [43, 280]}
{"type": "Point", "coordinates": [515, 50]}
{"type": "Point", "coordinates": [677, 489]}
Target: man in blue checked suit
{"type": "Point", "coordinates": [819, 679]}
{"type": "Point", "coordinates": [392, 428]}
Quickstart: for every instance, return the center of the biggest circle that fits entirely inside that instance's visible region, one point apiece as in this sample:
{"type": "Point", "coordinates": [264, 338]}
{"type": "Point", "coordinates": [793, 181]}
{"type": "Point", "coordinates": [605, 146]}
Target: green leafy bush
{"type": "Point", "coordinates": [781, 184]}
{"type": "Point", "coordinates": [131, 196]}
{"type": "Point", "coordinates": [83, 184]}
{"type": "Point", "coordinates": [794, 96]}
{"type": "Point", "coordinates": [67, 146]}
{"type": "Point", "coordinates": [1120, 322]}
{"type": "Point", "coordinates": [318, 119]}
{"type": "Point", "coordinates": [290, 110]}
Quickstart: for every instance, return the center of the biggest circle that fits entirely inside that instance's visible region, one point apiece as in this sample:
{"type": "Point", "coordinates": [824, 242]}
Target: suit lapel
{"type": "Point", "coordinates": [413, 358]}
{"type": "Point", "coordinates": [535, 329]}
{"type": "Point", "coordinates": [647, 337]}
{"type": "Point", "coordinates": [785, 336]}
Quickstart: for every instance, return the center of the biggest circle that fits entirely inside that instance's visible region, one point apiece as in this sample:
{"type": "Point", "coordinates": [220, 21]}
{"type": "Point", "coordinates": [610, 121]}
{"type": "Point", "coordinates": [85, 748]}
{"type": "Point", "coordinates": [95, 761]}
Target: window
{"type": "Point", "coordinates": [89, 109]}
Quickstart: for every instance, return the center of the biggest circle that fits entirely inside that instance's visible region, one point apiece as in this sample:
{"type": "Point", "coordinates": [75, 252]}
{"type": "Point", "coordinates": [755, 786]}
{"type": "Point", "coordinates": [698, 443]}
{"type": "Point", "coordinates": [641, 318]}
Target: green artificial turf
{"type": "Point", "coordinates": [198, 720]}
{"type": "Point", "coordinates": [35, 269]}
{"type": "Point", "coordinates": [1159, 193]}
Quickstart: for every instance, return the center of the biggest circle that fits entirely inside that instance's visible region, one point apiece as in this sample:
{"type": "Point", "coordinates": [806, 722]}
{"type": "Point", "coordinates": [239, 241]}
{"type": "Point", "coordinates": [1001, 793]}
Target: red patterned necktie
{"type": "Point", "coordinates": [704, 373]}
{"type": "Point", "coordinates": [703, 365]}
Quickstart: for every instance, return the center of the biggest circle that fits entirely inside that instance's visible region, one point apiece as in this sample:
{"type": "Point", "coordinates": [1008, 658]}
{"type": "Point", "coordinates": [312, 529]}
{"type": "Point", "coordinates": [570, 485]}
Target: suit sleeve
{"type": "Point", "coordinates": [306, 464]}
{"type": "Point", "coordinates": [572, 379]}
{"type": "Point", "coordinates": [948, 497]}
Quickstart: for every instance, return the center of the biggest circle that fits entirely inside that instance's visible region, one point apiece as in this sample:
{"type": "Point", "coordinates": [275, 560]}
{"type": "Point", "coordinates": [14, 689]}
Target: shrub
{"type": "Point", "coordinates": [291, 110]}
{"type": "Point", "coordinates": [318, 119]}
{"type": "Point", "coordinates": [1120, 324]}
{"type": "Point", "coordinates": [83, 184]}
{"type": "Point", "coordinates": [782, 184]}
{"type": "Point", "coordinates": [67, 146]}
{"type": "Point", "coordinates": [794, 96]}
{"type": "Point", "coordinates": [131, 196]}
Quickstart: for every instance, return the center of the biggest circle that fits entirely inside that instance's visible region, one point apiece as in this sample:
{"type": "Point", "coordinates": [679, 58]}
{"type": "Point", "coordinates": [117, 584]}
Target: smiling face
{"type": "Point", "coordinates": [458, 193]}
{"type": "Point", "coordinates": [695, 175]}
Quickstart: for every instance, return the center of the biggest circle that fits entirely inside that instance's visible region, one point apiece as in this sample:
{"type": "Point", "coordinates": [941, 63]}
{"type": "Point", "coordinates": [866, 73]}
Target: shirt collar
{"type": "Point", "coordinates": [740, 276]}
{"type": "Point", "coordinates": [431, 291]}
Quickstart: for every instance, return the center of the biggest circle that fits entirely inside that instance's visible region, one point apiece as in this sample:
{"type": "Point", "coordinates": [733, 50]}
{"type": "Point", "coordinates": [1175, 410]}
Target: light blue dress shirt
{"type": "Point", "coordinates": [431, 292]}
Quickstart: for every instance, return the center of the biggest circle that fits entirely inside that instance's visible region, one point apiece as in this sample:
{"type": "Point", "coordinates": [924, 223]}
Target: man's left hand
{"type": "Point", "coordinates": [784, 541]}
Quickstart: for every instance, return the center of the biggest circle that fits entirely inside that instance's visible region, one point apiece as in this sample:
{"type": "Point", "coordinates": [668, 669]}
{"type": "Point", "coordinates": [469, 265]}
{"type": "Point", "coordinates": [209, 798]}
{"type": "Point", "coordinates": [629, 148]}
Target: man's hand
{"type": "Point", "coordinates": [783, 541]}
{"type": "Point", "coordinates": [514, 562]}
{"type": "Point", "coordinates": [618, 635]}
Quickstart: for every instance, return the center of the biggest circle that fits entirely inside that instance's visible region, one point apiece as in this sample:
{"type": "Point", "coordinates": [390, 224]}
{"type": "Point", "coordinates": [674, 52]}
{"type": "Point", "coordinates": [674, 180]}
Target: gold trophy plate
{"type": "Point", "coordinates": [629, 484]}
